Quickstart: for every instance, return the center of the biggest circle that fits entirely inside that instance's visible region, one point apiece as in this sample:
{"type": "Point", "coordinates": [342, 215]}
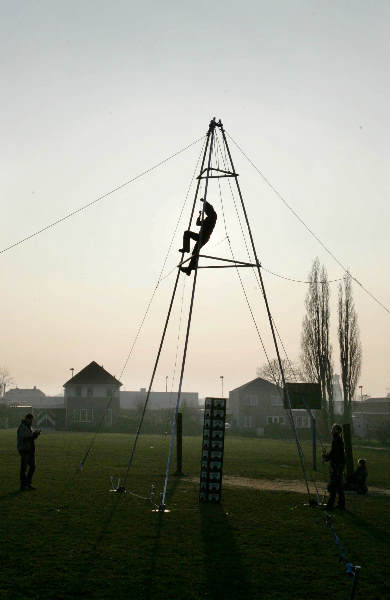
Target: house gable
{"type": "Point", "coordinates": [93, 374]}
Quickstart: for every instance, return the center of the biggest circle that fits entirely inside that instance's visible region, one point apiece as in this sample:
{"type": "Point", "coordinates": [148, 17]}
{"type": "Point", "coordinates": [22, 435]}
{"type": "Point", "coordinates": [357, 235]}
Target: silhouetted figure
{"type": "Point", "coordinates": [336, 458]}
{"type": "Point", "coordinates": [201, 238]}
{"type": "Point", "coordinates": [358, 480]}
{"type": "Point", "coordinates": [26, 448]}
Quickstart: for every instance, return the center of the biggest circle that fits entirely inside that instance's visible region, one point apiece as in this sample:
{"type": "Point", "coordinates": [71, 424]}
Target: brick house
{"type": "Point", "coordinates": [259, 403]}
{"type": "Point", "coordinates": [371, 417]}
{"type": "Point", "coordinates": [24, 397]}
{"type": "Point", "coordinates": [91, 397]}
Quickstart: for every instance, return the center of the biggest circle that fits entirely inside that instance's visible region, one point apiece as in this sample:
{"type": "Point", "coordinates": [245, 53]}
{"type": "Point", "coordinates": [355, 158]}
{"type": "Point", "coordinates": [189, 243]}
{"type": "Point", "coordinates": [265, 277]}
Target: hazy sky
{"type": "Point", "coordinates": [96, 92]}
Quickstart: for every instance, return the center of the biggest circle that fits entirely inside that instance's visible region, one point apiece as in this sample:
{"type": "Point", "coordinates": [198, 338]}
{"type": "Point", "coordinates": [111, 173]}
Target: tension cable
{"type": "Point", "coordinates": [86, 206]}
{"type": "Point", "coordinates": [315, 236]}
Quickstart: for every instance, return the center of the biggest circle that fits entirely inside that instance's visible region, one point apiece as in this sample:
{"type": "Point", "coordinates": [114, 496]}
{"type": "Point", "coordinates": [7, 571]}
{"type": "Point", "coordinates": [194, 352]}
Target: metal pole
{"type": "Point", "coordinates": [348, 448]}
{"type": "Point", "coordinates": [179, 444]}
{"type": "Point", "coordinates": [267, 307]}
{"type": "Point", "coordinates": [314, 437]}
{"type": "Point", "coordinates": [165, 328]}
{"type": "Point", "coordinates": [355, 580]}
{"type": "Point", "coordinates": [211, 133]}
{"type": "Point", "coordinates": [313, 432]}
{"type": "Point", "coordinates": [221, 378]}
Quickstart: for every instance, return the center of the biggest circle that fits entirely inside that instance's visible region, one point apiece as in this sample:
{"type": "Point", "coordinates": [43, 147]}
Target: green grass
{"type": "Point", "coordinates": [73, 539]}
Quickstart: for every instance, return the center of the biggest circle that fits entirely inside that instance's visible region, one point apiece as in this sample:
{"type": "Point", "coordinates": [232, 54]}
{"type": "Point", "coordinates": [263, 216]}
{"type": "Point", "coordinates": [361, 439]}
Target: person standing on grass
{"type": "Point", "coordinates": [26, 447]}
{"type": "Point", "coordinates": [336, 458]}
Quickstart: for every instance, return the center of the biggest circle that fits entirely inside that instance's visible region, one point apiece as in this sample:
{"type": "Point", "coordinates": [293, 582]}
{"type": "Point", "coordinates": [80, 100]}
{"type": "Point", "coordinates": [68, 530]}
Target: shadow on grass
{"type": "Point", "coordinates": [148, 593]}
{"type": "Point", "coordinates": [9, 495]}
{"type": "Point", "coordinates": [225, 572]}
{"type": "Point", "coordinates": [379, 535]}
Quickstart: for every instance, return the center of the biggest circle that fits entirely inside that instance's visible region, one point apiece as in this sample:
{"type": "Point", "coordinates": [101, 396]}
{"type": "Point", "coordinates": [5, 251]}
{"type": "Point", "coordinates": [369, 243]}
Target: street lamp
{"type": "Point", "coordinates": [221, 378]}
{"type": "Point", "coordinates": [361, 392]}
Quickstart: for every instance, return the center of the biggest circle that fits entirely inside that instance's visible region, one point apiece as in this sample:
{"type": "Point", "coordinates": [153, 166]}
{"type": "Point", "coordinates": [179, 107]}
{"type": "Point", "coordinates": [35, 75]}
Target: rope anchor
{"type": "Point", "coordinates": [118, 488]}
{"type": "Point", "coordinates": [353, 570]}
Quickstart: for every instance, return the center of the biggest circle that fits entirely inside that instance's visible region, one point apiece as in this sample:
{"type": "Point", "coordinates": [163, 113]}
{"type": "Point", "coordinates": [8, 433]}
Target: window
{"type": "Point", "coordinates": [86, 415]}
{"type": "Point", "coordinates": [76, 416]}
{"type": "Point", "coordinates": [89, 392]}
{"type": "Point", "coordinates": [110, 393]}
{"type": "Point", "coordinates": [77, 391]}
{"type": "Point", "coordinates": [247, 421]}
{"type": "Point", "coordinates": [108, 416]}
{"type": "Point", "coordinates": [276, 400]}
{"type": "Point", "coordinates": [278, 420]}
{"type": "Point", "coordinates": [251, 400]}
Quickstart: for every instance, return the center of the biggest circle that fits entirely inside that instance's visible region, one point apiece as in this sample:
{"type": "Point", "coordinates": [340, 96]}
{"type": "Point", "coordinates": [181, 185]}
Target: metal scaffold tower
{"type": "Point", "coordinates": [209, 170]}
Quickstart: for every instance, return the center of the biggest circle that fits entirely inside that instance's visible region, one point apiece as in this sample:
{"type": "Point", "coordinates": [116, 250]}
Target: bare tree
{"type": "Point", "coordinates": [5, 379]}
{"type": "Point", "coordinates": [315, 343]}
{"type": "Point", "coordinates": [271, 371]}
{"type": "Point", "coordinates": [350, 346]}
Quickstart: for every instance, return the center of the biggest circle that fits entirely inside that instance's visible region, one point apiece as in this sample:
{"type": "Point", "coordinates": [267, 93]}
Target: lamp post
{"type": "Point", "coordinates": [166, 383]}
{"type": "Point", "coordinates": [361, 392]}
{"type": "Point", "coordinates": [221, 378]}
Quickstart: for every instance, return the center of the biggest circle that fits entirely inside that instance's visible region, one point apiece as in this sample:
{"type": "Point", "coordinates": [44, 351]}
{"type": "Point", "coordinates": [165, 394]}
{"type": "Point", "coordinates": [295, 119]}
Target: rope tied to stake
{"type": "Point", "coordinates": [350, 568]}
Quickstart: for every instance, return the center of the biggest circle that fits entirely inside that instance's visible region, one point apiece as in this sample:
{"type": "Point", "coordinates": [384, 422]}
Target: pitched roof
{"type": "Point", "coordinates": [94, 374]}
{"type": "Point", "coordinates": [24, 392]}
{"type": "Point", "coordinates": [255, 382]}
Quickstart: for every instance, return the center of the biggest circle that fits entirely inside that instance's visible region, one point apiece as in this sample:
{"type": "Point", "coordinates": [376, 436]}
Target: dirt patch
{"type": "Point", "coordinates": [286, 485]}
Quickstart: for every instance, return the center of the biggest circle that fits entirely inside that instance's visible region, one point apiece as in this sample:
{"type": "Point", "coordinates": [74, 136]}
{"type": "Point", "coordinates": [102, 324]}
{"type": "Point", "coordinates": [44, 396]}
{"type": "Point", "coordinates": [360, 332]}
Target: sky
{"type": "Point", "coordinates": [95, 93]}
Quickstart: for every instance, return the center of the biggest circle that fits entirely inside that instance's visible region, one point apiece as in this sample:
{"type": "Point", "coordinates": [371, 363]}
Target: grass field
{"type": "Point", "coordinates": [73, 539]}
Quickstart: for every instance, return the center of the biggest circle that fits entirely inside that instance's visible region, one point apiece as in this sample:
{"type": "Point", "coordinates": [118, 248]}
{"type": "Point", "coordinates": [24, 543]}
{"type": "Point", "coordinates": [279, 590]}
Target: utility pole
{"type": "Point", "coordinates": [221, 378]}
{"type": "Point", "coordinates": [166, 383]}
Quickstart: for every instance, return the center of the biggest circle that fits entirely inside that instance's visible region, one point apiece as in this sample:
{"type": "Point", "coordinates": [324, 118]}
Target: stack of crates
{"type": "Point", "coordinates": [212, 450]}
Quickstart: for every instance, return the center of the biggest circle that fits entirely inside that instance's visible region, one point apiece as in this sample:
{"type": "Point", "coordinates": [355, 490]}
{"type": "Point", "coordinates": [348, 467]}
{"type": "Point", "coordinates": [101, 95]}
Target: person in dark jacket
{"type": "Point", "coordinates": [201, 238]}
{"type": "Point", "coordinates": [336, 458]}
{"type": "Point", "coordinates": [26, 447]}
{"type": "Point", "coordinates": [358, 480]}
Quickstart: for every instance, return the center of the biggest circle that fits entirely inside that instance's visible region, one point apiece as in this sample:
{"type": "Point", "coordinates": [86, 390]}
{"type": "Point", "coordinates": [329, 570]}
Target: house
{"type": "Point", "coordinates": [259, 403]}
{"type": "Point", "coordinates": [91, 398]}
{"type": "Point", "coordinates": [32, 397]}
{"type": "Point", "coordinates": [371, 418]}
{"type": "Point", "coordinates": [26, 397]}
{"type": "Point", "coordinates": [158, 400]}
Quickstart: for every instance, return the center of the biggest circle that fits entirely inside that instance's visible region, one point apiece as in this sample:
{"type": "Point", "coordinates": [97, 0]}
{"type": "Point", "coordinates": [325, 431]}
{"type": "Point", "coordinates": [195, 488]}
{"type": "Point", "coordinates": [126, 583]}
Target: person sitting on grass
{"type": "Point", "coordinates": [26, 447]}
{"type": "Point", "coordinates": [358, 480]}
{"type": "Point", "coordinates": [337, 463]}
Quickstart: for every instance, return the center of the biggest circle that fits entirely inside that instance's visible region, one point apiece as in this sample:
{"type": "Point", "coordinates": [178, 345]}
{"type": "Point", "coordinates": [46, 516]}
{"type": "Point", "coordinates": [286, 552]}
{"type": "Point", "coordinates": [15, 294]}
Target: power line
{"type": "Point", "coordinates": [119, 187]}
{"type": "Point", "coordinates": [296, 215]}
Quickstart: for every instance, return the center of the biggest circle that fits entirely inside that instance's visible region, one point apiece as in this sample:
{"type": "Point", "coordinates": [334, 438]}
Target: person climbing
{"type": "Point", "coordinates": [336, 458]}
{"type": "Point", "coordinates": [358, 480]}
{"type": "Point", "coordinates": [201, 238]}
